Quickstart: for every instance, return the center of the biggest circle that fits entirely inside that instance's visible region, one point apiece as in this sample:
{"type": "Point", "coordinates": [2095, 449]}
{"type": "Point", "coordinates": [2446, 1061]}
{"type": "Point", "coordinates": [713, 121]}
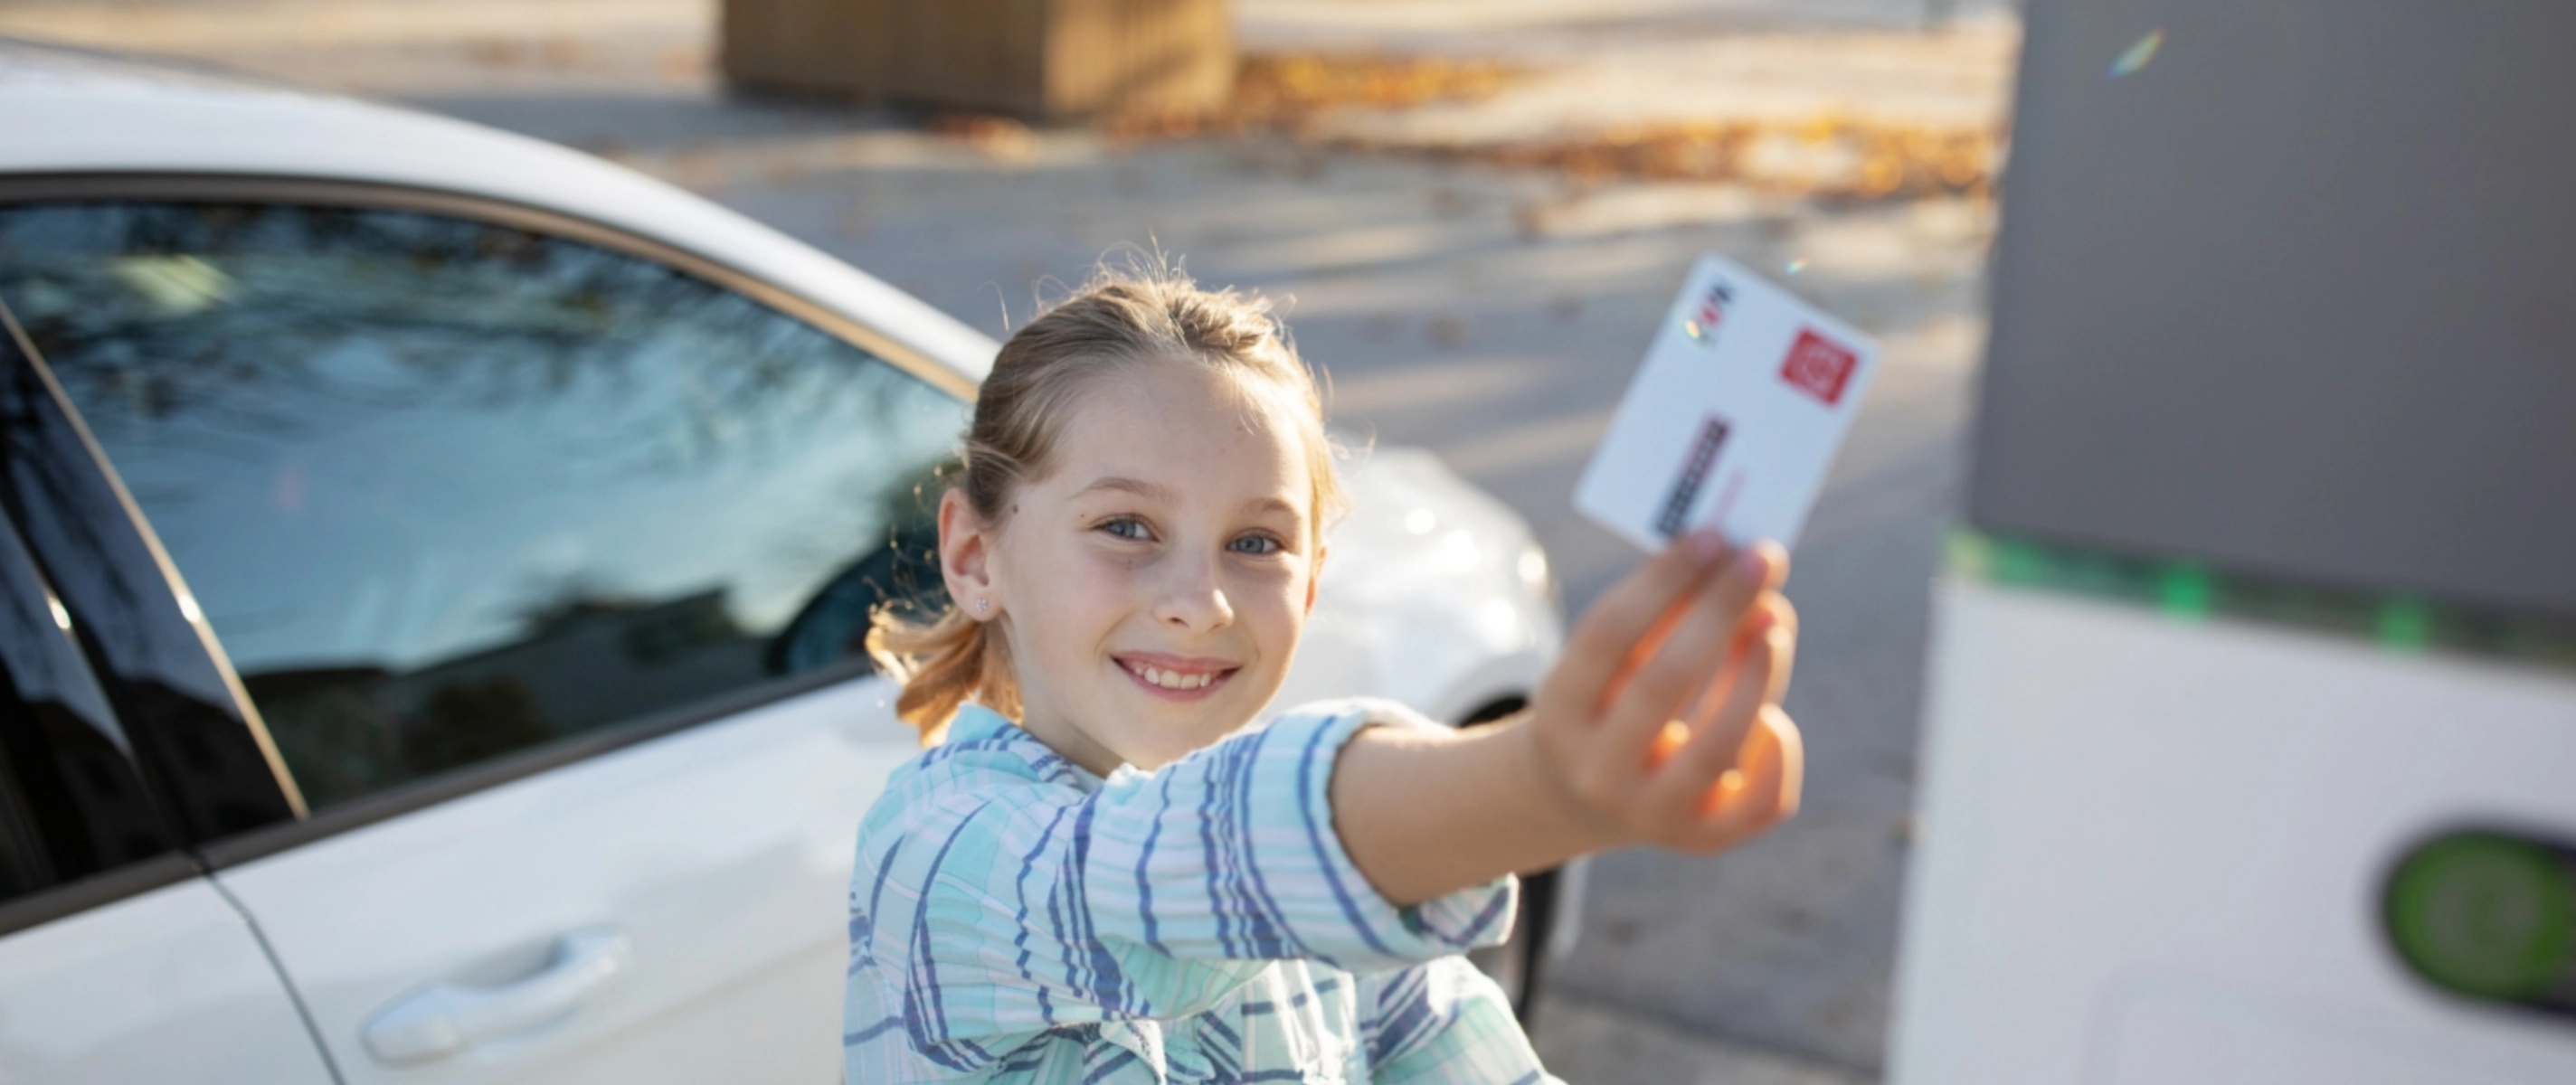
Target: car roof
{"type": "Point", "coordinates": [73, 111]}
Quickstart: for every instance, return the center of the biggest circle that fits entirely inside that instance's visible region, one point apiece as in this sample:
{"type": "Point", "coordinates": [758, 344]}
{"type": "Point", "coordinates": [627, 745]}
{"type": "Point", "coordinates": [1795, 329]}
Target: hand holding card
{"type": "Point", "coordinates": [1662, 722]}
{"type": "Point", "coordinates": [1734, 417]}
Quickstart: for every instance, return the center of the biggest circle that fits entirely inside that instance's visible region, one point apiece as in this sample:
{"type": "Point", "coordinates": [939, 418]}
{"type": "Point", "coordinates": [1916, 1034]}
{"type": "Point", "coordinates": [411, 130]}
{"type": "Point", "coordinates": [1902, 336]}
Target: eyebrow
{"type": "Point", "coordinates": [1153, 491]}
{"type": "Point", "coordinates": [1271, 504]}
{"type": "Point", "coordinates": [1114, 484]}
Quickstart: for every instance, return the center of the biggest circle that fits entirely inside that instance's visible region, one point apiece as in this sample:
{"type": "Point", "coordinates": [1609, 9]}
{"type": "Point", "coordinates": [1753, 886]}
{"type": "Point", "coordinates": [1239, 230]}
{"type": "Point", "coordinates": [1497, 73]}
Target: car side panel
{"type": "Point", "coordinates": [167, 986]}
{"type": "Point", "coordinates": [720, 853]}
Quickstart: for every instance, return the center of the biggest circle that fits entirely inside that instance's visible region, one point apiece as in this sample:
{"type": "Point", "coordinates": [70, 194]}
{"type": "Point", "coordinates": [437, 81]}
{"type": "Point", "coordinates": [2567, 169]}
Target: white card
{"type": "Point", "coordinates": [1733, 418]}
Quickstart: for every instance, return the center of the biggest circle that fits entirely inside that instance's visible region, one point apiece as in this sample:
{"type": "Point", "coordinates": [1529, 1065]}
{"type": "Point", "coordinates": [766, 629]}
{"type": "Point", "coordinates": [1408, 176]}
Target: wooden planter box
{"type": "Point", "coordinates": [1039, 59]}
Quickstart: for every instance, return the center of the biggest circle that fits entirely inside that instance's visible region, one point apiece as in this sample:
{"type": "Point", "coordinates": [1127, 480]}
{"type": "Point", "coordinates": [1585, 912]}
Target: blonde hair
{"type": "Point", "coordinates": [1115, 322]}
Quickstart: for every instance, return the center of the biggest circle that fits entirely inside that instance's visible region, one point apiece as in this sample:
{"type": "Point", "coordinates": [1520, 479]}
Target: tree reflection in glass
{"type": "Point", "coordinates": [449, 490]}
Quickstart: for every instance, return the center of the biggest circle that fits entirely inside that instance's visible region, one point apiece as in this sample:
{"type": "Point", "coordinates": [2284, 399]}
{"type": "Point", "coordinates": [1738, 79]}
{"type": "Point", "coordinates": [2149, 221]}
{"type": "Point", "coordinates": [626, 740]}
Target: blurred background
{"type": "Point", "coordinates": [1474, 212]}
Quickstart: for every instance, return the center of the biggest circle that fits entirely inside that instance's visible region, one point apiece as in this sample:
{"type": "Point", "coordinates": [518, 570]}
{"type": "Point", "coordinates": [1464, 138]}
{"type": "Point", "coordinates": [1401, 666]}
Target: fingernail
{"type": "Point", "coordinates": [1705, 544]}
{"type": "Point", "coordinates": [1755, 563]}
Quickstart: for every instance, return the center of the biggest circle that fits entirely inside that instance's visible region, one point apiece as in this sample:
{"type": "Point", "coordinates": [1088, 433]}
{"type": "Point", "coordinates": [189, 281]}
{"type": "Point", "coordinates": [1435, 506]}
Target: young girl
{"type": "Point", "coordinates": [1096, 875]}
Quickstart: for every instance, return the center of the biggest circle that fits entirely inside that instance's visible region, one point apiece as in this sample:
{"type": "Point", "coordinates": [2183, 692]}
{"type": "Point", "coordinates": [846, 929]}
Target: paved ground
{"type": "Point", "coordinates": [1588, 1043]}
{"type": "Point", "coordinates": [1491, 314]}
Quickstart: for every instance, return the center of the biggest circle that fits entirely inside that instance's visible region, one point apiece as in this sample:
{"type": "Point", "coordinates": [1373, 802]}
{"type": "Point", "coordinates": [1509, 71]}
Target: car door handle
{"type": "Point", "coordinates": [445, 1018]}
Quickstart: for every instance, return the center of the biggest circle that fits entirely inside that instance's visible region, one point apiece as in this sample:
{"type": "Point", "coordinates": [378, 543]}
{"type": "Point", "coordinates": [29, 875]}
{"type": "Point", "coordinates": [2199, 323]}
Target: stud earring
{"type": "Point", "coordinates": [983, 606]}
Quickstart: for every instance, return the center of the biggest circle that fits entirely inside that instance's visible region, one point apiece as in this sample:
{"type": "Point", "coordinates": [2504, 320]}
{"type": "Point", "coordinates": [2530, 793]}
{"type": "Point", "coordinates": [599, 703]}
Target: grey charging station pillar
{"type": "Point", "coordinates": [2252, 740]}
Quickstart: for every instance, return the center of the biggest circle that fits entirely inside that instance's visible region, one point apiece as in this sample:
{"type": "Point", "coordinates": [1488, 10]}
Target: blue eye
{"type": "Point", "coordinates": [1127, 527]}
{"type": "Point", "coordinates": [1258, 545]}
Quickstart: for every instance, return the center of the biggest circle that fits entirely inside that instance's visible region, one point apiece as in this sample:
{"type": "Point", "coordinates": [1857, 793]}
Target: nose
{"type": "Point", "coordinates": [1191, 598]}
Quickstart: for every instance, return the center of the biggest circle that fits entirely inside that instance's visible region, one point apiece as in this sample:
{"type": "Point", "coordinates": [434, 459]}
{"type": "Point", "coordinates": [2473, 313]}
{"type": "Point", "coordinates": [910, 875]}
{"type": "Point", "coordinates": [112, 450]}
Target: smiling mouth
{"type": "Point", "coordinates": [1184, 680]}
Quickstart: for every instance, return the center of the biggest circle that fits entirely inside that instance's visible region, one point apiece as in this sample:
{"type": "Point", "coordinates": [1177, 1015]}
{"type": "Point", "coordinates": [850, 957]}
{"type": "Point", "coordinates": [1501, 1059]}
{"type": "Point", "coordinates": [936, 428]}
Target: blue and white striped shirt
{"type": "Point", "coordinates": [1016, 918]}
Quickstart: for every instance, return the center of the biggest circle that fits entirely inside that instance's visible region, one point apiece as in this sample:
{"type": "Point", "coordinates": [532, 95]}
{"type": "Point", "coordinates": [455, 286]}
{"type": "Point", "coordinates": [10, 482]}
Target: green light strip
{"type": "Point", "coordinates": [2190, 591]}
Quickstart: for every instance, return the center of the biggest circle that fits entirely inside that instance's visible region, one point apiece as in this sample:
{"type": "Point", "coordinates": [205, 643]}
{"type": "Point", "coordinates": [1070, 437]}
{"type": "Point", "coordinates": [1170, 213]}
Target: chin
{"type": "Point", "coordinates": [1199, 736]}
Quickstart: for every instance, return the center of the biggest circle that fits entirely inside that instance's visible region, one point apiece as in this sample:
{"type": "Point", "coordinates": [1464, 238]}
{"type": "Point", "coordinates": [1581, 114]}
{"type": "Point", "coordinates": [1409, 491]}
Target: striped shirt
{"type": "Point", "coordinates": [1016, 918]}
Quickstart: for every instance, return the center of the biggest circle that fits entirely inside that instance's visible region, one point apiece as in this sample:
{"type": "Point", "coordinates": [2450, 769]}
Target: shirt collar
{"type": "Point", "coordinates": [976, 723]}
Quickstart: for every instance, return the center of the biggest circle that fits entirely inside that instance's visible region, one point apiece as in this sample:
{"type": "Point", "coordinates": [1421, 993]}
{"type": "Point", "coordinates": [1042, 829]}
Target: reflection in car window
{"type": "Point", "coordinates": [207, 768]}
{"type": "Point", "coordinates": [448, 490]}
{"type": "Point", "coordinates": [71, 803]}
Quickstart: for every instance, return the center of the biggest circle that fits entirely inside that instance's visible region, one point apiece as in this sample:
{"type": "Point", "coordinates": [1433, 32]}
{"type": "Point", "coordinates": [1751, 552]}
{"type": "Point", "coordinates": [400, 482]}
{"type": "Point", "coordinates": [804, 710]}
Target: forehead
{"type": "Point", "coordinates": [1188, 427]}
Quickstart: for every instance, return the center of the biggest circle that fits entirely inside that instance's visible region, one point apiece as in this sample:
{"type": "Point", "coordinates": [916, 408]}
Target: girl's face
{"type": "Point", "coordinates": [1151, 588]}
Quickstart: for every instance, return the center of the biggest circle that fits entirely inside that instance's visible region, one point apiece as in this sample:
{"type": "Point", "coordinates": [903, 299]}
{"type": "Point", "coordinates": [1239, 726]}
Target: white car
{"type": "Point", "coordinates": [429, 573]}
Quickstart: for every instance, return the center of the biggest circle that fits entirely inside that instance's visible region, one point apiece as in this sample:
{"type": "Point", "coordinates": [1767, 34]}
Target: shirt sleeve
{"type": "Point", "coordinates": [1443, 1022]}
{"type": "Point", "coordinates": [1155, 896]}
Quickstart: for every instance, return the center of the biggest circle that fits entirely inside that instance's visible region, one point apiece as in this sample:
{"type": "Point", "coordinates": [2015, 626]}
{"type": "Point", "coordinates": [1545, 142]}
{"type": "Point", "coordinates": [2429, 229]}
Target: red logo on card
{"type": "Point", "coordinates": [1819, 367]}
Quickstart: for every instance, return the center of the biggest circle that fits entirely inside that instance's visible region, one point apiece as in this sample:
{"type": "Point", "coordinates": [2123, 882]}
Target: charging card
{"type": "Point", "coordinates": [1733, 418]}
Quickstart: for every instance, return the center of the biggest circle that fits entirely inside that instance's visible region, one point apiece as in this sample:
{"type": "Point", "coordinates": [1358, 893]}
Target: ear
{"type": "Point", "coordinates": [965, 552]}
{"type": "Point", "coordinates": [1314, 576]}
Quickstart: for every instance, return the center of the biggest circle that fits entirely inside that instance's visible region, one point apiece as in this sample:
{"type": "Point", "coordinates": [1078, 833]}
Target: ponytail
{"type": "Point", "coordinates": [942, 663]}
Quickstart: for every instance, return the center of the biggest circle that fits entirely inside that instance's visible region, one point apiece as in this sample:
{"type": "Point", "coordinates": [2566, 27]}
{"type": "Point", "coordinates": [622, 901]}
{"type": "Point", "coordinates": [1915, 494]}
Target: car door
{"type": "Point", "coordinates": [539, 554]}
{"type": "Point", "coordinates": [118, 960]}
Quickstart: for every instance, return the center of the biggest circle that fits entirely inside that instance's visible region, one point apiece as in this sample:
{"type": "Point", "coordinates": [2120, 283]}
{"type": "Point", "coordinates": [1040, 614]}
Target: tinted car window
{"type": "Point", "coordinates": [208, 770]}
{"type": "Point", "coordinates": [72, 803]}
{"type": "Point", "coordinates": [448, 490]}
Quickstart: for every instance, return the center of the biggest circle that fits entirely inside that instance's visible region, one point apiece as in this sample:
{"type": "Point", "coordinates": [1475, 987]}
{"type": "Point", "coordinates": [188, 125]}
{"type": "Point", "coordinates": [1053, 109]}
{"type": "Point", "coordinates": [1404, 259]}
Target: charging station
{"type": "Point", "coordinates": [2251, 741]}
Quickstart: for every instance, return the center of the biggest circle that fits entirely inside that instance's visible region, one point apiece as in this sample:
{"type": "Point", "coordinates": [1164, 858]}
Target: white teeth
{"type": "Point", "coordinates": [1172, 679]}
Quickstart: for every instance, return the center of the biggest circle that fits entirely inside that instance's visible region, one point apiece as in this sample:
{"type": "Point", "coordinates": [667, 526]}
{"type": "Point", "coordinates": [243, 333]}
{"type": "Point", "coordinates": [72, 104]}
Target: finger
{"type": "Point", "coordinates": [1648, 645]}
{"type": "Point", "coordinates": [1771, 609]}
{"type": "Point", "coordinates": [1644, 649]}
{"type": "Point", "coordinates": [1690, 657]}
{"type": "Point", "coordinates": [1689, 661]}
{"type": "Point", "coordinates": [1668, 742]}
{"type": "Point", "coordinates": [1789, 745]}
{"type": "Point", "coordinates": [1775, 648]}
{"type": "Point", "coordinates": [1784, 621]}
{"type": "Point", "coordinates": [1716, 742]}
{"type": "Point", "coordinates": [1763, 792]}
{"type": "Point", "coordinates": [1776, 750]}
{"type": "Point", "coordinates": [1598, 650]}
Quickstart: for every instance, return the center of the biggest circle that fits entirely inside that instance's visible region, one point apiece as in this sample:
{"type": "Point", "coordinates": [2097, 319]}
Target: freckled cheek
{"type": "Point", "coordinates": [1097, 598]}
{"type": "Point", "coordinates": [1111, 580]}
{"type": "Point", "coordinates": [1066, 605]}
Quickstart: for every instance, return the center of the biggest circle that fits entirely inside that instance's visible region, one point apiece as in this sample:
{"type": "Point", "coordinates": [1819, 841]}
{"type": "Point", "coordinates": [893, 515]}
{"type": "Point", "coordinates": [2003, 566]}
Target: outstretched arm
{"type": "Point", "coordinates": [1661, 724]}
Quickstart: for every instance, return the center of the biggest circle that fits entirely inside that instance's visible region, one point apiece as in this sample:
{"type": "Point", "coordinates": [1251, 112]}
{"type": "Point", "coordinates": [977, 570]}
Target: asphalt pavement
{"type": "Point", "coordinates": [1487, 311]}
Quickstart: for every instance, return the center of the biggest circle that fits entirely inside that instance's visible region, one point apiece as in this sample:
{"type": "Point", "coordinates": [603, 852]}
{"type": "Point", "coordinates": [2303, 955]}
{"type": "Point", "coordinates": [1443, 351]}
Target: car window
{"type": "Point", "coordinates": [72, 803]}
{"type": "Point", "coordinates": [208, 770]}
{"type": "Point", "coordinates": [448, 490]}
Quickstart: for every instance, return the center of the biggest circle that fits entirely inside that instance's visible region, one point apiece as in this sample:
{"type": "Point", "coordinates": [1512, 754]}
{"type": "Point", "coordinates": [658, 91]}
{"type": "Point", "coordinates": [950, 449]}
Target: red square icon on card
{"type": "Point", "coordinates": [1819, 367]}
